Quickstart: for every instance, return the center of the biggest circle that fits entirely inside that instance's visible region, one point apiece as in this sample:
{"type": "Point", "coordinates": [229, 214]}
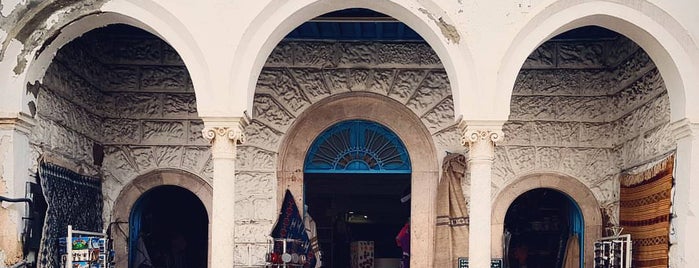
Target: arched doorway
{"type": "Point", "coordinates": [539, 229]}
{"type": "Point", "coordinates": [169, 227]}
{"type": "Point", "coordinates": [132, 195]}
{"type": "Point", "coordinates": [357, 189]}
{"type": "Point", "coordinates": [569, 187]}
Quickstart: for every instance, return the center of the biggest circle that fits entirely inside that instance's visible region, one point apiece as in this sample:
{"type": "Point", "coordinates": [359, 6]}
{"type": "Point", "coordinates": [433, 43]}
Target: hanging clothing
{"type": "Point", "coordinates": [403, 241]}
{"type": "Point", "coordinates": [310, 226]}
{"type": "Point", "coordinates": [452, 214]}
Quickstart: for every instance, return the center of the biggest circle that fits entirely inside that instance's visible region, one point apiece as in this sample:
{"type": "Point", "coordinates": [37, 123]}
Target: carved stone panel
{"type": "Point", "coordinates": [260, 135]}
{"type": "Point", "coordinates": [552, 133]}
{"type": "Point", "coordinates": [391, 54]}
{"type": "Point", "coordinates": [280, 84]}
{"type": "Point", "coordinates": [337, 80]}
{"type": "Point", "coordinates": [315, 54]}
{"type": "Point", "coordinates": [433, 89]}
{"type": "Point", "coordinates": [165, 78]}
{"type": "Point", "coordinates": [357, 54]}
{"type": "Point", "coordinates": [282, 55]}
{"type": "Point", "coordinates": [122, 131]}
{"type": "Point", "coordinates": [271, 113]}
{"type": "Point", "coordinates": [140, 105]}
{"type": "Point", "coordinates": [405, 84]}
{"type": "Point", "coordinates": [543, 57]}
{"type": "Point", "coordinates": [441, 117]}
{"type": "Point", "coordinates": [122, 78]}
{"type": "Point", "coordinates": [169, 132]}
{"type": "Point", "coordinates": [380, 80]}
{"type": "Point", "coordinates": [179, 106]}
{"type": "Point", "coordinates": [255, 159]}
{"type": "Point", "coordinates": [311, 81]}
{"type": "Point", "coordinates": [581, 55]}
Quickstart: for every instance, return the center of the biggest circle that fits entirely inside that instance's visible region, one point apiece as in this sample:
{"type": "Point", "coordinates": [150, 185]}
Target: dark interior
{"type": "Point", "coordinates": [539, 223]}
{"type": "Point", "coordinates": [357, 207]}
{"type": "Point", "coordinates": [174, 227]}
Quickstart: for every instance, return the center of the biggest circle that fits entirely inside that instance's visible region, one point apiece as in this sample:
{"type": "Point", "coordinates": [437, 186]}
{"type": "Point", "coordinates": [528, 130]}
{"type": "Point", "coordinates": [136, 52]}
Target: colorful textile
{"type": "Point", "coordinates": [290, 225]}
{"type": "Point", "coordinates": [644, 212]}
{"type": "Point", "coordinates": [72, 199]}
{"type": "Point", "coordinates": [452, 215]}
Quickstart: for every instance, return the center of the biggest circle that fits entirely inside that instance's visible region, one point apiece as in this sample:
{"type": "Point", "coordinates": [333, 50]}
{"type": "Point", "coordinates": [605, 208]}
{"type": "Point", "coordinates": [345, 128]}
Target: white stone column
{"type": "Point", "coordinates": [224, 134]}
{"type": "Point", "coordinates": [481, 142]}
{"type": "Point", "coordinates": [685, 204]}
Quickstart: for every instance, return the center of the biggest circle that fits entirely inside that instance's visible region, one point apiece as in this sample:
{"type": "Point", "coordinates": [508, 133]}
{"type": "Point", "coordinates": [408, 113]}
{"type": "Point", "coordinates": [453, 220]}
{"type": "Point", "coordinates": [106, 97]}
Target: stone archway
{"type": "Point", "coordinates": [569, 186]}
{"type": "Point", "coordinates": [139, 186]}
{"type": "Point", "coordinates": [400, 120]}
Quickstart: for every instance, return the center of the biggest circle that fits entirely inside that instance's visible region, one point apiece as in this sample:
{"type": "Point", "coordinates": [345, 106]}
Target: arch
{"type": "Point", "coordinates": [357, 146]}
{"type": "Point", "coordinates": [131, 192]}
{"type": "Point", "coordinates": [148, 16]}
{"type": "Point", "coordinates": [574, 189]}
{"type": "Point", "coordinates": [394, 116]}
{"type": "Point", "coordinates": [276, 20]}
{"type": "Point", "coordinates": [660, 35]}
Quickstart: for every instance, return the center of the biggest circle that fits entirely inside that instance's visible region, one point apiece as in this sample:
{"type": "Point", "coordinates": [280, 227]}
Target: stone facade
{"type": "Point", "coordinates": [585, 109]}
{"type": "Point", "coordinates": [585, 117]}
{"type": "Point", "coordinates": [128, 101]}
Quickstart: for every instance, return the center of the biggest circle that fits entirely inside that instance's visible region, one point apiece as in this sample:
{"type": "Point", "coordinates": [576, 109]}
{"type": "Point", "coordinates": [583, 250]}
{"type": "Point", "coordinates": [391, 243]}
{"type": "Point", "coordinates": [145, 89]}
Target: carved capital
{"type": "Point", "coordinates": [684, 128]}
{"type": "Point", "coordinates": [218, 129]}
{"type": "Point", "coordinates": [490, 132]}
{"type": "Point", "coordinates": [236, 134]}
{"type": "Point", "coordinates": [477, 135]}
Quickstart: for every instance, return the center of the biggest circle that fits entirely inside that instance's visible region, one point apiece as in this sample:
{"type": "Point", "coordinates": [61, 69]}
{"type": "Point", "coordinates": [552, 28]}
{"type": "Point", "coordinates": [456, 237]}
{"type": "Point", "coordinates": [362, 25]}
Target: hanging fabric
{"type": "Point", "coordinates": [572, 257]}
{"type": "Point", "coordinates": [72, 199]}
{"type": "Point", "coordinates": [452, 216]}
{"type": "Point", "coordinates": [290, 226]}
{"type": "Point", "coordinates": [644, 212]}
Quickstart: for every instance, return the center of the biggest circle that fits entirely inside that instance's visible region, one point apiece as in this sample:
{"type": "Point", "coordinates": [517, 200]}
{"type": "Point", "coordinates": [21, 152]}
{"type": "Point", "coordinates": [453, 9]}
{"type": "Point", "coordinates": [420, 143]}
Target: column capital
{"type": "Point", "coordinates": [231, 128]}
{"type": "Point", "coordinates": [476, 131]}
{"type": "Point", "coordinates": [21, 122]}
{"type": "Point", "coordinates": [684, 128]}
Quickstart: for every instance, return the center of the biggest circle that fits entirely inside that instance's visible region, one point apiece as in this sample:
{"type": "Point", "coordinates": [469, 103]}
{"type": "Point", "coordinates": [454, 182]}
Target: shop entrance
{"type": "Point", "coordinates": [357, 190]}
{"type": "Point", "coordinates": [169, 227]}
{"type": "Point", "coordinates": [543, 228]}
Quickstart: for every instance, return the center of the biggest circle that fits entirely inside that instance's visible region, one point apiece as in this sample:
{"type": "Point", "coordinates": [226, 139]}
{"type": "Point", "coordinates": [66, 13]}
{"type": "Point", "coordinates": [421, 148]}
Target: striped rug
{"type": "Point", "coordinates": [644, 212]}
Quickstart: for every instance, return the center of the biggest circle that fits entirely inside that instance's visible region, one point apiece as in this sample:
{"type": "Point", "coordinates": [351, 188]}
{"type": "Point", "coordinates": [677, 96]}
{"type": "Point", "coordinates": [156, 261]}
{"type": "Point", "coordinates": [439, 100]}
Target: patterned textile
{"type": "Point", "coordinates": [72, 199]}
{"type": "Point", "coordinates": [290, 225]}
{"type": "Point", "coordinates": [452, 215]}
{"type": "Point", "coordinates": [645, 213]}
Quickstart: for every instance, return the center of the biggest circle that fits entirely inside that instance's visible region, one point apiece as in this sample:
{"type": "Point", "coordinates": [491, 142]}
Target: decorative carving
{"type": "Point", "coordinates": [581, 55]}
{"type": "Point", "coordinates": [358, 54]}
{"type": "Point", "coordinates": [433, 89]}
{"type": "Point", "coordinates": [440, 117]}
{"type": "Point", "coordinates": [391, 54]}
{"type": "Point", "coordinates": [234, 133]}
{"type": "Point", "coordinates": [311, 82]}
{"type": "Point", "coordinates": [170, 78]}
{"type": "Point", "coordinates": [170, 132]}
{"type": "Point", "coordinates": [542, 57]}
{"type": "Point", "coordinates": [282, 86]}
{"type": "Point", "coordinates": [315, 54]}
{"type": "Point", "coordinates": [476, 135]}
{"type": "Point", "coordinates": [405, 83]}
{"type": "Point", "coordinates": [267, 110]}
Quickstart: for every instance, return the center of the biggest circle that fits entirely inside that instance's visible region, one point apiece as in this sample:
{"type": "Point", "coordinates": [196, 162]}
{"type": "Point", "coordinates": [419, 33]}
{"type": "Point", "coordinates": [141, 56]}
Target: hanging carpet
{"type": "Point", "coordinates": [645, 200]}
{"type": "Point", "coordinates": [72, 199]}
{"type": "Point", "coordinates": [452, 216]}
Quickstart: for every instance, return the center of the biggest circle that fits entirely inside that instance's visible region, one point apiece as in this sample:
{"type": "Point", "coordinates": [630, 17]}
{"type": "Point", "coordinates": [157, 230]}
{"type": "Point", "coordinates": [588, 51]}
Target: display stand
{"type": "Point", "coordinates": [290, 256]}
{"type": "Point", "coordinates": [613, 252]}
{"type": "Point", "coordinates": [85, 249]}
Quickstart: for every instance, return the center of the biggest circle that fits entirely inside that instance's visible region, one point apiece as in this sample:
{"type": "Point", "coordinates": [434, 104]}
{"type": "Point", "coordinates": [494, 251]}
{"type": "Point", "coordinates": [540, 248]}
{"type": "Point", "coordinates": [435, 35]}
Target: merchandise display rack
{"type": "Point", "coordinates": [95, 253]}
{"type": "Point", "coordinates": [288, 257]}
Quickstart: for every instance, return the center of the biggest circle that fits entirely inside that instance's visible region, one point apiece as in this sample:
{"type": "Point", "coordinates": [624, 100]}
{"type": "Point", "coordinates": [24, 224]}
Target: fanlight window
{"type": "Point", "coordinates": [357, 146]}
